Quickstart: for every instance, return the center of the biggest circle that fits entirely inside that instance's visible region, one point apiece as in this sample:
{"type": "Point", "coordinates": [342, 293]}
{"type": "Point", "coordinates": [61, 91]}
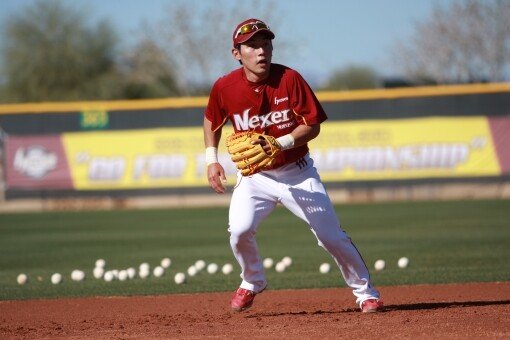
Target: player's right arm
{"type": "Point", "coordinates": [215, 172]}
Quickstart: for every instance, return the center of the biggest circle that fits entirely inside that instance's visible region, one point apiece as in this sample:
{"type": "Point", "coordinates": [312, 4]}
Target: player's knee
{"type": "Point", "coordinates": [241, 233]}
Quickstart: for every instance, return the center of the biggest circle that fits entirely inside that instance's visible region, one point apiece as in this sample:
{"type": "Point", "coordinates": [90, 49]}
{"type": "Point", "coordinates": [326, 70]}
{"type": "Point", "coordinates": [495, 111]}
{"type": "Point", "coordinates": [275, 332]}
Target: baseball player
{"type": "Point", "coordinates": [274, 100]}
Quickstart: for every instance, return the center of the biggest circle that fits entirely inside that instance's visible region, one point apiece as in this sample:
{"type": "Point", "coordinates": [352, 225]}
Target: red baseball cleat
{"type": "Point", "coordinates": [371, 306]}
{"type": "Point", "coordinates": [242, 299]}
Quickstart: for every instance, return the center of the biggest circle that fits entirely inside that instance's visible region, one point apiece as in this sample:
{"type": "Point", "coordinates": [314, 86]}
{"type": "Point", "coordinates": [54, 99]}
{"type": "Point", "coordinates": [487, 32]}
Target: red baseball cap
{"type": "Point", "coordinates": [248, 28]}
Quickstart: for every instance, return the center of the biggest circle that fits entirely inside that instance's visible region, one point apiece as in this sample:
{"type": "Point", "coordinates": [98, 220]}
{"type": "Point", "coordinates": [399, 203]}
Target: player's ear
{"type": "Point", "coordinates": [236, 53]}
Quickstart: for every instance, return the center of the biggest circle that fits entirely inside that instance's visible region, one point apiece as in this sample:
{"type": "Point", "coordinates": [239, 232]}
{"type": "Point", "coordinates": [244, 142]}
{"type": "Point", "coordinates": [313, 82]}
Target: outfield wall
{"type": "Point", "coordinates": [376, 140]}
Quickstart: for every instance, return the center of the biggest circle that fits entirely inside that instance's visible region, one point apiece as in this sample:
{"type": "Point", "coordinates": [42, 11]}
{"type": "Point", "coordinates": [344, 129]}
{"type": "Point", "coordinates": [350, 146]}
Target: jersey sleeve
{"type": "Point", "coordinates": [305, 104]}
{"type": "Point", "coordinates": [214, 112]}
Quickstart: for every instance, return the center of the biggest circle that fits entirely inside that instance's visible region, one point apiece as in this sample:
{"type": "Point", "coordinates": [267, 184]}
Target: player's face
{"type": "Point", "coordinates": [256, 54]}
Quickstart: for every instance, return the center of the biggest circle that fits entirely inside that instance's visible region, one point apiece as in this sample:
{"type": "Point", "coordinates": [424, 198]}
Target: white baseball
{"type": "Point", "coordinates": [287, 261]}
{"type": "Point", "coordinates": [143, 273]}
{"type": "Point", "coordinates": [131, 272]}
{"type": "Point", "coordinates": [403, 262]}
{"type": "Point", "coordinates": [192, 271]}
{"type": "Point", "coordinates": [227, 268]}
{"type": "Point", "coordinates": [98, 272]}
{"type": "Point", "coordinates": [180, 278]}
{"type": "Point", "coordinates": [268, 262]}
{"type": "Point", "coordinates": [212, 268]}
{"type": "Point", "coordinates": [22, 279]}
{"type": "Point", "coordinates": [325, 268]}
{"type": "Point", "coordinates": [144, 267]}
{"type": "Point", "coordinates": [280, 267]}
{"type": "Point", "coordinates": [379, 265]}
{"type": "Point", "coordinates": [159, 271]}
{"type": "Point", "coordinates": [100, 263]}
{"type": "Point", "coordinates": [56, 278]}
{"type": "Point", "coordinates": [108, 276]}
{"type": "Point", "coordinates": [123, 275]}
{"type": "Point", "coordinates": [77, 275]}
{"type": "Point", "coordinates": [166, 262]}
{"type": "Point", "coordinates": [200, 264]}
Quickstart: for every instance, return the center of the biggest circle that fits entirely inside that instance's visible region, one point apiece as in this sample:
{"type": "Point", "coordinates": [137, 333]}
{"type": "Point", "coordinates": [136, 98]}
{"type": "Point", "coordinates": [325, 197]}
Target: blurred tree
{"type": "Point", "coordinates": [51, 55]}
{"type": "Point", "coordinates": [468, 41]}
{"type": "Point", "coordinates": [198, 39]}
{"type": "Point", "coordinates": [149, 72]}
{"type": "Point", "coordinates": [353, 78]}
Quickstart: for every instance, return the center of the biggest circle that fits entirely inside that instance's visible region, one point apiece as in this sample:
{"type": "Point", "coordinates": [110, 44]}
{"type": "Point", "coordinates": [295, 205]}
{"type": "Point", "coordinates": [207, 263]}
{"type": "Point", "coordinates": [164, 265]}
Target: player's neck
{"type": "Point", "coordinates": [255, 77]}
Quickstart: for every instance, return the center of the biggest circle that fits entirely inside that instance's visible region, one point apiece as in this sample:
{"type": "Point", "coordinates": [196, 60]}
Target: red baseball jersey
{"type": "Point", "coordinates": [274, 107]}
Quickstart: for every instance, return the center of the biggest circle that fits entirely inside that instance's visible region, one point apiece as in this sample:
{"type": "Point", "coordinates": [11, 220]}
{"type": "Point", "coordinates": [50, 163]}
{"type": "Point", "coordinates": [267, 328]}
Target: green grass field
{"type": "Point", "coordinates": [461, 241]}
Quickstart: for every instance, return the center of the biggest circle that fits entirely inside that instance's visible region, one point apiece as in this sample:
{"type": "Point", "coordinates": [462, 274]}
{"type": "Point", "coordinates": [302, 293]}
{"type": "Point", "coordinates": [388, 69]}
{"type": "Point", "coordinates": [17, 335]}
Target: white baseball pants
{"type": "Point", "coordinates": [299, 188]}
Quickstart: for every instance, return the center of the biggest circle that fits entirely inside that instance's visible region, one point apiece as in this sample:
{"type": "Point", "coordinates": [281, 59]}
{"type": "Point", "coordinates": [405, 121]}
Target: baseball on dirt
{"type": "Point", "coordinates": [22, 279]}
{"type": "Point", "coordinates": [379, 265]}
{"type": "Point", "coordinates": [268, 262]}
{"type": "Point", "coordinates": [325, 268]}
{"type": "Point", "coordinates": [180, 278]}
{"type": "Point", "coordinates": [403, 262]}
{"type": "Point", "coordinates": [56, 278]}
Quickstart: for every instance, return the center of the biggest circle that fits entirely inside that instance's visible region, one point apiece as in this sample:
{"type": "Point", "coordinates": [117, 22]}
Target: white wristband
{"type": "Point", "coordinates": [287, 141]}
{"type": "Point", "coordinates": [211, 155]}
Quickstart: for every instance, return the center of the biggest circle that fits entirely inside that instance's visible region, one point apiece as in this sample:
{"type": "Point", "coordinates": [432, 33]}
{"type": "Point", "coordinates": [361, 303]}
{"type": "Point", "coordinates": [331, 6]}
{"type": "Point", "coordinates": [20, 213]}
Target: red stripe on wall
{"type": "Point", "coordinates": [500, 128]}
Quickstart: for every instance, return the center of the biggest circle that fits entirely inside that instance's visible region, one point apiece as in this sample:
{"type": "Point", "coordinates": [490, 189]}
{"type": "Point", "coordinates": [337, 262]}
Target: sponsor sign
{"type": "Point", "coordinates": [152, 158]}
{"type": "Point", "coordinates": [36, 162]}
{"type": "Point", "coordinates": [405, 148]}
{"type": "Point", "coordinates": [433, 147]}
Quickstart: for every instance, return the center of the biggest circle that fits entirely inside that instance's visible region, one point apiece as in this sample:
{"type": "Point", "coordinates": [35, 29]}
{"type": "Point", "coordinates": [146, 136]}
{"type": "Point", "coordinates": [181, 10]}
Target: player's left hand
{"type": "Point", "coordinates": [216, 177]}
{"type": "Point", "coordinates": [265, 145]}
{"type": "Point", "coordinates": [252, 151]}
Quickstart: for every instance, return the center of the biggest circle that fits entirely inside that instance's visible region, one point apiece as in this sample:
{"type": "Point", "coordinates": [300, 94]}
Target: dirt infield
{"type": "Point", "coordinates": [475, 310]}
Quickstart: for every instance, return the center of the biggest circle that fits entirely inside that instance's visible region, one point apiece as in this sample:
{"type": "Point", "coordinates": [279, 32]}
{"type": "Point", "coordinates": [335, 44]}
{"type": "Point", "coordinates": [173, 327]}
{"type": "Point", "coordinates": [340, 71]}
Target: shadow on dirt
{"type": "Point", "coordinates": [392, 308]}
{"type": "Point", "coordinates": [441, 305]}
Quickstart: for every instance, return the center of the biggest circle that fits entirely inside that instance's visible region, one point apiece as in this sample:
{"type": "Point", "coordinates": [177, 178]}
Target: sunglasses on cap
{"type": "Point", "coordinates": [251, 27]}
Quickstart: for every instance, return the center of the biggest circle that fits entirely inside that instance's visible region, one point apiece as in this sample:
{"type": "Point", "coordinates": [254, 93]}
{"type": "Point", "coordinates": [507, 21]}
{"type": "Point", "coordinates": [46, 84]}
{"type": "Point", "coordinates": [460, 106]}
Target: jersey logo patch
{"type": "Point", "coordinates": [280, 100]}
{"type": "Point", "coordinates": [245, 122]}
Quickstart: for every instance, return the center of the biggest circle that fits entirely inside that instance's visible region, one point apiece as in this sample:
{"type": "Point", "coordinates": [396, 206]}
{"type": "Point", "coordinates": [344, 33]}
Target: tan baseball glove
{"type": "Point", "coordinates": [251, 158]}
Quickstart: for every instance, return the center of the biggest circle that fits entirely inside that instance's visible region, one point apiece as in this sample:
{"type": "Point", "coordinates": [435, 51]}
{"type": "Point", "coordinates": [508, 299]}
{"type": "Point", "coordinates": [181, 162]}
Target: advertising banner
{"type": "Point", "coordinates": [36, 162]}
{"type": "Point", "coordinates": [153, 158]}
{"type": "Point", "coordinates": [429, 147]}
{"type": "Point", "coordinates": [390, 149]}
